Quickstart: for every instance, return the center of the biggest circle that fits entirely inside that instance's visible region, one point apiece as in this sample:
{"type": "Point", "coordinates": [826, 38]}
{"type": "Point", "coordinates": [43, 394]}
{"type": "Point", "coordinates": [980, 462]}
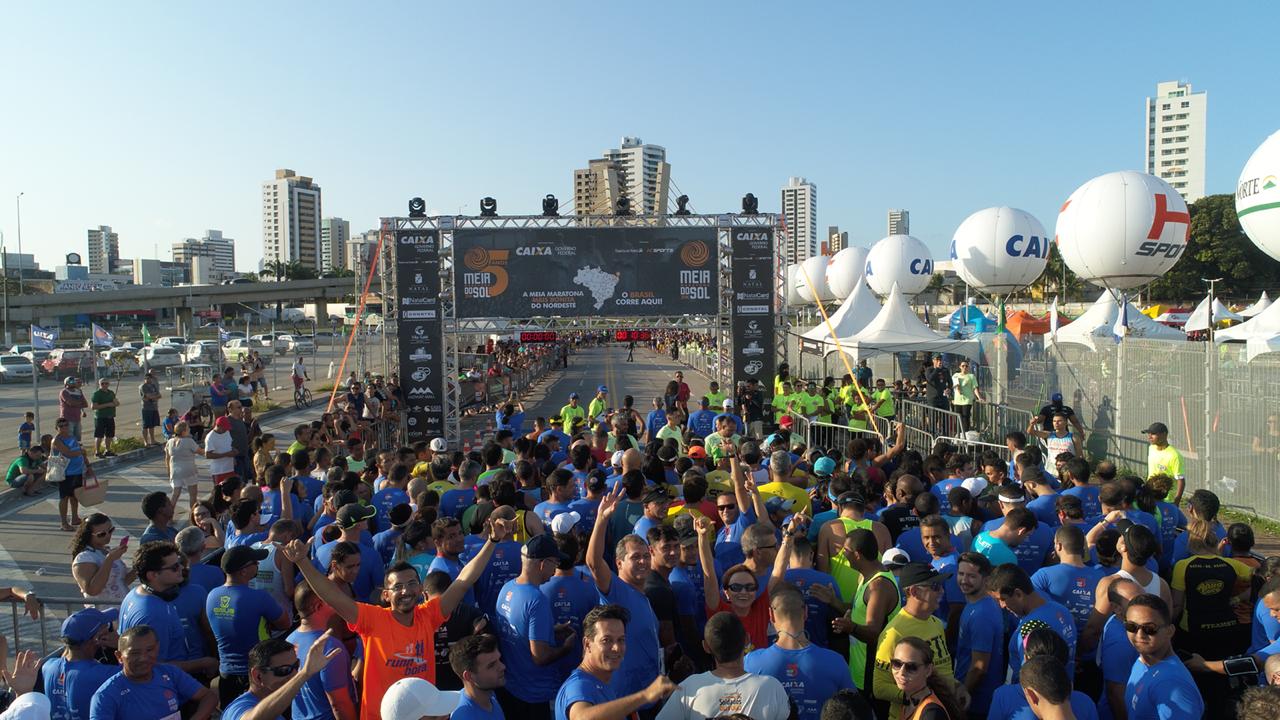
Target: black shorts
{"type": "Point", "coordinates": [150, 418]}
{"type": "Point", "coordinates": [104, 427]}
{"type": "Point", "coordinates": [67, 488]}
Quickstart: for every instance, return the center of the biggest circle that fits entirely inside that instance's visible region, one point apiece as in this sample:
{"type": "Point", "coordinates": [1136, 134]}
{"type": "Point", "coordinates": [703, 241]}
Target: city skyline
{"type": "Point", "coordinates": [1004, 124]}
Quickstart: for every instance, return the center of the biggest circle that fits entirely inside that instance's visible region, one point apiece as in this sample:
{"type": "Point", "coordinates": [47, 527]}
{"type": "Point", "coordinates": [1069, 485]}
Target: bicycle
{"type": "Point", "coordinates": [302, 397]}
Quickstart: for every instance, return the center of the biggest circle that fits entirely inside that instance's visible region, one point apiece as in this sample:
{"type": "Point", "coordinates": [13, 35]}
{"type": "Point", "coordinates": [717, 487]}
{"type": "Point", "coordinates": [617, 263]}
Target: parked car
{"type": "Point", "coordinates": [20, 349]}
{"type": "Point", "coordinates": [201, 351]}
{"type": "Point", "coordinates": [119, 361]}
{"type": "Point", "coordinates": [64, 361]}
{"type": "Point", "coordinates": [160, 356]}
{"type": "Point", "coordinates": [235, 350]}
{"type": "Point", "coordinates": [15, 368]}
{"type": "Point", "coordinates": [271, 340]}
{"type": "Point", "coordinates": [234, 334]}
{"type": "Point", "coordinates": [298, 343]}
{"type": "Point", "coordinates": [176, 341]}
{"type": "Point", "coordinates": [37, 357]}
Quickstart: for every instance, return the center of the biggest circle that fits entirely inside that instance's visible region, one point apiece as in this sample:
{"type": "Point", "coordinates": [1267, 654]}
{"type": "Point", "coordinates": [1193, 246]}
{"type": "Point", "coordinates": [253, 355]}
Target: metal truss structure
{"type": "Point", "coordinates": [456, 328]}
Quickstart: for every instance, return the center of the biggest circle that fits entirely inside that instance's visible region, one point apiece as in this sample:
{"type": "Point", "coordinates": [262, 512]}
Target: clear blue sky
{"type": "Point", "coordinates": [163, 124]}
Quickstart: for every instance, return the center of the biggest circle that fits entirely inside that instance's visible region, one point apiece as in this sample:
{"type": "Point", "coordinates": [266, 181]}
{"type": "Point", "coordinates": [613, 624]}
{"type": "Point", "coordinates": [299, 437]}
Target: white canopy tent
{"type": "Point", "coordinates": [1260, 335]}
{"type": "Point", "coordinates": [854, 313]}
{"type": "Point", "coordinates": [897, 329]}
{"type": "Point", "coordinates": [1263, 303]}
{"type": "Point", "coordinates": [1199, 318]}
{"type": "Point", "coordinates": [1100, 319]}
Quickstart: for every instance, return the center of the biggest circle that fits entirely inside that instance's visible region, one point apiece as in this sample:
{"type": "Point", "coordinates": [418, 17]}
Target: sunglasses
{"type": "Point", "coordinates": [722, 508]}
{"type": "Point", "coordinates": [742, 587]}
{"type": "Point", "coordinates": [104, 533]}
{"type": "Point", "coordinates": [283, 670]}
{"type": "Point", "coordinates": [905, 666]}
{"type": "Point", "coordinates": [175, 566]}
{"type": "Point", "coordinates": [1149, 629]}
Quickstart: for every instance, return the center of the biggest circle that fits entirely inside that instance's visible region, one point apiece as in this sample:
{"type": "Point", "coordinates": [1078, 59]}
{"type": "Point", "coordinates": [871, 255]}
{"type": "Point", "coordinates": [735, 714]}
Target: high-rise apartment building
{"type": "Point", "coordinates": [637, 171]}
{"type": "Point", "coordinates": [334, 234]}
{"type": "Point", "coordinates": [361, 248]}
{"type": "Point", "coordinates": [899, 222]}
{"type": "Point", "coordinates": [291, 220]}
{"type": "Point", "coordinates": [836, 240]}
{"type": "Point", "coordinates": [1176, 138]}
{"type": "Point", "coordinates": [220, 250]}
{"type": "Point", "coordinates": [800, 209]}
{"type": "Point", "coordinates": [104, 249]}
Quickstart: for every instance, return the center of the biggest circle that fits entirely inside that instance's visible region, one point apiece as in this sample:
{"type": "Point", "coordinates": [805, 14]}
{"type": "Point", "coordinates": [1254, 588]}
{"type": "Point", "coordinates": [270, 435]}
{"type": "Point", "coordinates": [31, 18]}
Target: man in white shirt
{"type": "Point", "coordinates": [299, 373]}
{"type": "Point", "coordinates": [219, 451]}
{"type": "Point", "coordinates": [728, 689]}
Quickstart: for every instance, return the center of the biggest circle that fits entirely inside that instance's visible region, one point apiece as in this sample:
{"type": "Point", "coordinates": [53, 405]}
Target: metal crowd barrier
{"type": "Point", "coordinates": [994, 421]}
{"type": "Point", "coordinates": [929, 419]}
{"type": "Point", "coordinates": [45, 634]}
{"type": "Point", "coordinates": [830, 436]}
{"type": "Point", "coordinates": [978, 447]}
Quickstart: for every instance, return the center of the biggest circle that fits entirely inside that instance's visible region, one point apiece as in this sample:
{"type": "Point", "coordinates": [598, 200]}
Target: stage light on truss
{"type": "Point", "coordinates": [417, 208]}
{"type": "Point", "coordinates": [750, 206]}
{"type": "Point", "coordinates": [488, 207]}
{"type": "Point", "coordinates": [624, 207]}
{"type": "Point", "coordinates": [682, 205]}
{"type": "Point", "coordinates": [550, 206]}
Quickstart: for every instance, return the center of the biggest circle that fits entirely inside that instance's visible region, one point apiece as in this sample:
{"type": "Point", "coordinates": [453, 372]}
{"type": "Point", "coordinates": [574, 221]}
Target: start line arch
{"type": "Point", "coordinates": [458, 276]}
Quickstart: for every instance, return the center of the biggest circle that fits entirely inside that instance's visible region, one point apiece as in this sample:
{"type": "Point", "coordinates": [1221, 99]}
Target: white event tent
{"type": "Point", "coordinates": [1261, 334]}
{"type": "Point", "coordinates": [897, 329]}
{"type": "Point", "coordinates": [1199, 318]}
{"type": "Point", "coordinates": [857, 310]}
{"type": "Point", "coordinates": [1263, 303]}
{"type": "Point", "coordinates": [1099, 321]}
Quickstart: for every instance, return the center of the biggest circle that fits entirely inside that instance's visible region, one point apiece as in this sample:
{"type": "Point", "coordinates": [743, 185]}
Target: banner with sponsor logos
{"type": "Point", "coordinates": [752, 310]}
{"type": "Point", "coordinates": [421, 332]}
{"type": "Point", "coordinates": [580, 272]}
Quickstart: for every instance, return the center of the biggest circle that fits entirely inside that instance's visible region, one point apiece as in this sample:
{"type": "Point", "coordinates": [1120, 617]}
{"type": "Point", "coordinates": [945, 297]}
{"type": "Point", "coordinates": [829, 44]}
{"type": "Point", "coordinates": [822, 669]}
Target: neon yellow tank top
{"type": "Point", "coordinates": [858, 666]}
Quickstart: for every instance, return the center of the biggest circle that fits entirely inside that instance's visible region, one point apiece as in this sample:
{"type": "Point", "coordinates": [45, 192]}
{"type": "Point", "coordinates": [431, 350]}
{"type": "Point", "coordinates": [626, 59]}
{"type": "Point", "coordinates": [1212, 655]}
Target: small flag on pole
{"type": "Point", "coordinates": [1053, 319]}
{"type": "Point", "coordinates": [1001, 326]}
{"type": "Point", "coordinates": [101, 337]}
{"type": "Point", "coordinates": [146, 335]}
{"type": "Point", "coordinates": [927, 322]}
{"type": "Point", "coordinates": [223, 335]}
{"type": "Point", "coordinates": [43, 338]}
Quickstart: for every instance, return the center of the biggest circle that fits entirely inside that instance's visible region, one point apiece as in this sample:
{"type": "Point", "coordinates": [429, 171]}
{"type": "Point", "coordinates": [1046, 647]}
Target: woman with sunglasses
{"type": "Point", "coordinates": [926, 695]}
{"type": "Point", "coordinates": [202, 517]}
{"type": "Point", "coordinates": [98, 568]}
{"type": "Point", "coordinates": [738, 590]}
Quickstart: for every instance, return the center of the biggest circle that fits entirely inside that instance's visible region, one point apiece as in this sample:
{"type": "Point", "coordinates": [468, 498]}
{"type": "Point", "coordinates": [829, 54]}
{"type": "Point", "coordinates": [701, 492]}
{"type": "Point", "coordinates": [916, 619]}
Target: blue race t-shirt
{"type": "Point", "coordinates": [1071, 587]}
{"type": "Point", "coordinates": [468, 709]}
{"type": "Point", "coordinates": [371, 567]}
{"type": "Point", "coordinates": [582, 686]}
{"type": "Point", "coordinates": [453, 568]}
{"type": "Point", "coordinates": [1088, 495]}
{"type": "Point", "coordinates": [993, 549]}
{"type": "Point", "coordinates": [810, 675]}
{"type": "Point", "coordinates": [981, 630]}
{"type": "Point", "coordinates": [241, 705]}
{"type": "Point", "coordinates": [1033, 549]}
{"type": "Point", "coordinates": [1164, 691]}
{"type": "Point", "coordinates": [312, 702]}
{"type": "Point", "coordinates": [1266, 629]}
{"type": "Point", "coordinates": [686, 581]}
{"type": "Point", "coordinates": [385, 544]}
{"type": "Point", "coordinates": [384, 500]}
{"type": "Point", "coordinates": [702, 423]}
{"type": "Point", "coordinates": [1052, 615]}
{"type": "Point", "coordinates": [235, 613]}
{"type": "Point", "coordinates": [453, 502]}
{"type": "Point", "coordinates": [503, 566]}
{"type": "Point", "coordinates": [547, 510]}
{"type": "Point", "coordinates": [941, 489]}
{"type": "Point", "coordinates": [643, 660]}
{"type": "Point", "coordinates": [161, 616]}
{"type": "Point", "coordinates": [524, 615]}
{"type": "Point", "coordinates": [818, 621]}
{"type": "Point", "coordinates": [1045, 509]}
{"type": "Point", "coordinates": [1116, 656]}
{"type": "Point", "coordinates": [952, 597]}
{"type": "Point", "coordinates": [70, 685]}
{"type": "Point", "coordinates": [120, 698]}
{"type": "Point", "coordinates": [571, 598]}
{"type": "Point", "coordinates": [1009, 703]}
{"type": "Point", "coordinates": [587, 509]}
{"type": "Point", "coordinates": [206, 576]}
{"type": "Point", "coordinates": [190, 603]}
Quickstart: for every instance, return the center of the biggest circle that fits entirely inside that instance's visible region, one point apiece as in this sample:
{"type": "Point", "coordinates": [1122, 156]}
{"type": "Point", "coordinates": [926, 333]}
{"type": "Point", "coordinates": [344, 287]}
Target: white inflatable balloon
{"type": "Point", "coordinates": [816, 269]}
{"type": "Point", "coordinates": [1258, 196]}
{"type": "Point", "coordinates": [1123, 229]}
{"type": "Point", "coordinates": [793, 298]}
{"type": "Point", "coordinates": [845, 271]}
{"type": "Point", "coordinates": [1000, 249]}
{"type": "Point", "coordinates": [900, 259]}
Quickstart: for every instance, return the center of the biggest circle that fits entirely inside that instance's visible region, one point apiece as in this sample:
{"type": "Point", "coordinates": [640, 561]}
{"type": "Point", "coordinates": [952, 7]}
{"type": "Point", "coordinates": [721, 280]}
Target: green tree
{"type": "Point", "coordinates": [1217, 248]}
{"type": "Point", "coordinates": [294, 270]}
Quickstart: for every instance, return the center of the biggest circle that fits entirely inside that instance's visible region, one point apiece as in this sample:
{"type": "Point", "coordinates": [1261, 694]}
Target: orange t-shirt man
{"type": "Point", "coordinates": [393, 651]}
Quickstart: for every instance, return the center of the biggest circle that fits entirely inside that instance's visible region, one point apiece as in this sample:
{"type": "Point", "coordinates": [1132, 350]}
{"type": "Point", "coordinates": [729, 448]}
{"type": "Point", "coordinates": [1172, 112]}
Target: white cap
{"type": "Point", "coordinates": [411, 698]}
{"type": "Point", "coordinates": [894, 557]}
{"type": "Point", "coordinates": [975, 485]}
{"type": "Point", "coordinates": [727, 404]}
{"type": "Point", "coordinates": [617, 458]}
{"type": "Point", "coordinates": [29, 706]}
{"type": "Point", "coordinates": [439, 445]}
{"type": "Point", "coordinates": [564, 523]}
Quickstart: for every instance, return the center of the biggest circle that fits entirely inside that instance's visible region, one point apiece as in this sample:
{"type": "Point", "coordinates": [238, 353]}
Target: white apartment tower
{"type": "Point", "coordinates": [220, 252]}
{"type": "Point", "coordinates": [899, 222]}
{"type": "Point", "coordinates": [836, 240]}
{"type": "Point", "coordinates": [637, 171]}
{"type": "Point", "coordinates": [291, 220]}
{"type": "Point", "coordinates": [334, 235]}
{"type": "Point", "coordinates": [104, 250]}
{"type": "Point", "coordinates": [800, 208]}
{"type": "Point", "coordinates": [1175, 122]}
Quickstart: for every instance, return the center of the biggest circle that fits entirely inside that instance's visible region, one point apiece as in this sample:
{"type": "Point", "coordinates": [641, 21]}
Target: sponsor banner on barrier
{"type": "Point", "coordinates": [421, 339]}
{"type": "Point", "coordinates": [751, 311]}
{"type": "Point", "coordinates": [579, 272]}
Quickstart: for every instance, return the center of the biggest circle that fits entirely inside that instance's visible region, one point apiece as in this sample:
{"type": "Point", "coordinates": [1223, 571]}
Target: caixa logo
{"type": "Point", "coordinates": [921, 266]}
{"type": "Point", "coordinates": [1152, 248]}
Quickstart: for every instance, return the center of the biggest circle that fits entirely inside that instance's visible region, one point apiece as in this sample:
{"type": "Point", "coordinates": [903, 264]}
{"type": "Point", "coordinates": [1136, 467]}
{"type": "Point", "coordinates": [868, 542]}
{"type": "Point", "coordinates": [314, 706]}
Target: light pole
{"type": "Point", "coordinates": [18, 202]}
{"type": "Point", "coordinates": [1213, 298]}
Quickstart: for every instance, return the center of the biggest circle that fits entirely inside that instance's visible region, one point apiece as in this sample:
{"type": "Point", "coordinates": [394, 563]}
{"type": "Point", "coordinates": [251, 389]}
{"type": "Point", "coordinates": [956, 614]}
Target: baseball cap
{"type": "Point", "coordinates": [29, 706]}
{"type": "Point", "coordinates": [344, 497]}
{"type": "Point", "coordinates": [920, 573]}
{"type": "Point", "coordinates": [573, 396]}
{"type": "Point", "coordinates": [351, 515]}
{"type": "Point", "coordinates": [824, 467]}
{"type": "Point", "coordinates": [697, 452]}
{"type": "Point", "coordinates": [412, 698]}
{"type": "Point", "coordinates": [774, 438]}
{"type": "Point", "coordinates": [667, 454]}
{"type": "Point", "coordinates": [617, 458]}
{"type": "Point", "coordinates": [564, 523]}
{"type": "Point", "coordinates": [439, 445]}
{"type": "Point", "coordinates": [894, 558]}
{"type": "Point", "coordinates": [655, 494]}
{"type": "Point", "coordinates": [543, 547]}
{"type": "Point", "coordinates": [688, 536]}
{"type": "Point", "coordinates": [222, 423]}
{"type": "Point", "coordinates": [975, 485]}
{"type": "Point", "coordinates": [82, 625]}
{"type": "Point", "coordinates": [1055, 398]}
{"type": "Point", "coordinates": [786, 421]}
{"type": "Point", "coordinates": [400, 514]}
{"type": "Point", "coordinates": [68, 380]}
{"type": "Point", "coordinates": [779, 504]}
{"type": "Point", "coordinates": [602, 389]}
{"type": "Point", "coordinates": [555, 420]}
{"type": "Point", "coordinates": [242, 556]}
{"type": "Point", "coordinates": [727, 404]}
{"type": "Point", "coordinates": [1157, 428]}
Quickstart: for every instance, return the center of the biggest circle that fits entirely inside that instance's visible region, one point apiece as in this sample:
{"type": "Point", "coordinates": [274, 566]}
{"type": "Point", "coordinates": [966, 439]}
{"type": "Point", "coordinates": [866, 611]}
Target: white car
{"type": "Point", "coordinates": [15, 368]}
{"type": "Point", "coordinates": [237, 349]}
{"type": "Point", "coordinates": [119, 361]}
{"type": "Point", "coordinates": [200, 351]}
{"type": "Point", "coordinates": [271, 340]}
{"type": "Point", "coordinates": [173, 341]}
{"type": "Point", "coordinates": [298, 343]}
{"type": "Point", "coordinates": [160, 356]}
